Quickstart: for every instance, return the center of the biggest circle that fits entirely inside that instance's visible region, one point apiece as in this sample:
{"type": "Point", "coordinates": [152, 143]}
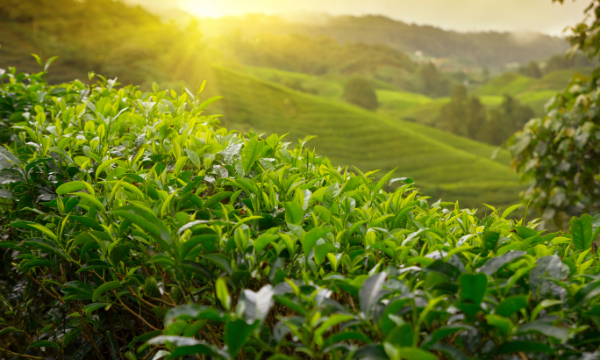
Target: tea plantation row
{"type": "Point", "coordinates": [133, 227]}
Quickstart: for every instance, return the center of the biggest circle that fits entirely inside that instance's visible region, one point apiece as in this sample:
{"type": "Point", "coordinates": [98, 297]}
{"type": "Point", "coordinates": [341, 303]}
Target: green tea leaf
{"type": "Point", "coordinates": [104, 288]}
{"type": "Point", "coordinates": [472, 287]}
{"type": "Point", "coordinates": [43, 343]}
{"type": "Point", "coordinates": [293, 213]}
{"type": "Point", "coordinates": [581, 230]}
{"type": "Point", "coordinates": [251, 153]}
{"type": "Point", "coordinates": [236, 335]}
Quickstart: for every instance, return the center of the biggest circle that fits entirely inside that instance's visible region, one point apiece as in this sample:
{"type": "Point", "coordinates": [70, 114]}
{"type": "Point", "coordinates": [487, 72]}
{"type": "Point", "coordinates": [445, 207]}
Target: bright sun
{"type": "Point", "coordinates": [202, 8]}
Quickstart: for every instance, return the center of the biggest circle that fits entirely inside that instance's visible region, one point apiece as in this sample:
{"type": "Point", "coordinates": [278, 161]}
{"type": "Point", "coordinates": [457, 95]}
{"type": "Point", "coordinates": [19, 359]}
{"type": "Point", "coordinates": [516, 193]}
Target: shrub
{"type": "Point", "coordinates": [133, 226]}
{"type": "Point", "coordinates": [558, 154]}
{"type": "Point", "coordinates": [360, 92]}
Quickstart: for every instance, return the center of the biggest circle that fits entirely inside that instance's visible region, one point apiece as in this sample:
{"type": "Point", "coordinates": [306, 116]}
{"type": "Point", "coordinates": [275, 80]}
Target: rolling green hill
{"type": "Point", "coordinates": [446, 165]}
{"type": "Point", "coordinates": [529, 91]}
{"type": "Point", "coordinates": [514, 84]}
{"type": "Point", "coordinates": [473, 49]}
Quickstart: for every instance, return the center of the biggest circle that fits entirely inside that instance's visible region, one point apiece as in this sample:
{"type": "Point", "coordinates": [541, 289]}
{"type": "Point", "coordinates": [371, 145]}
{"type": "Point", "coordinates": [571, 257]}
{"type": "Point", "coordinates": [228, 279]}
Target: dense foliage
{"type": "Point", "coordinates": [558, 154]}
{"type": "Point", "coordinates": [133, 226]}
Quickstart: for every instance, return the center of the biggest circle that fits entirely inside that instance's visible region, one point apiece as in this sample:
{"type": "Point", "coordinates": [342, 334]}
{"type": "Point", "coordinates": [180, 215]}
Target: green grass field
{"type": "Point", "coordinates": [443, 164]}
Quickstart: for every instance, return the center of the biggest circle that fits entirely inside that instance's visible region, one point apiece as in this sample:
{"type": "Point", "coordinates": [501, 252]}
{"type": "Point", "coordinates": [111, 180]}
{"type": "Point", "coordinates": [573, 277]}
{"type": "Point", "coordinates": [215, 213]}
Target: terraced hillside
{"type": "Point", "coordinates": [529, 91]}
{"type": "Point", "coordinates": [447, 166]}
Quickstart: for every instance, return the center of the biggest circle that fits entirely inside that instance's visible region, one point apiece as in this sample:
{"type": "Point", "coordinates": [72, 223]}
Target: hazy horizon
{"type": "Point", "coordinates": [541, 16]}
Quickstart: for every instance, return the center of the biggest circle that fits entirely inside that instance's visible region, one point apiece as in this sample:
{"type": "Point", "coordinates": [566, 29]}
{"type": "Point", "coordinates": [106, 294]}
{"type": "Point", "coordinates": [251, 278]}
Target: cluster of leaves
{"type": "Point", "coordinates": [133, 227]}
{"type": "Point", "coordinates": [558, 154]}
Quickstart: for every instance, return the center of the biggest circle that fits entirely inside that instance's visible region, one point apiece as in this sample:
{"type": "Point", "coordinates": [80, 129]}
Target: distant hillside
{"type": "Point", "coordinates": [491, 49]}
{"type": "Point", "coordinates": [448, 166]}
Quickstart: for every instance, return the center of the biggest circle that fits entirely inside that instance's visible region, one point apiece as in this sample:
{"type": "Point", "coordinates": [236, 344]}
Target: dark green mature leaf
{"type": "Point", "coordinates": [147, 221]}
{"type": "Point", "coordinates": [321, 252]}
{"type": "Point", "coordinates": [547, 266]}
{"type": "Point", "coordinates": [385, 323]}
{"type": "Point", "coordinates": [104, 288]}
{"type": "Point", "coordinates": [370, 292]}
{"type": "Point", "coordinates": [401, 336]}
{"type": "Point", "coordinates": [494, 264]}
{"type": "Point", "coordinates": [490, 240]}
{"type": "Point", "coordinates": [472, 287]}
{"type": "Point", "coordinates": [586, 293]}
{"type": "Point", "coordinates": [450, 351]}
{"type": "Point", "coordinates": [82, 352]}
{"type": "Point", "coordinates": [523, 346]}
{"type": "Point", "coordinates": [144, 337]}
{"type": "Point", "coordinates": [217, 198]}
{"type": "Point", "coordinates": [371, 352]}
{"type": "Point", "coordinates": [441, 333]}
{"type": "Point", "coordinates": [581, 231]}
{"type": "Point", "coordinates": [511, 305]}
{"type": "Point", "coordinates": [35, 263]}
{"type": "Point", "coordinates": [93, 307]}
{"type": "Point", "coordinates": [221, 261]}
{"type": "Point", "coordinates": [43, 343]}
{"type": "Point", "coordinates": [87, 221]}
{"type": "Point", "coordinates": [113, 348]}
{"type": "Point", "coordinates": [200, 349]}
{"type": "Point", "coordinates": [311, 238]}
{"type": "Point", "coordinates": [8, 330]}
{"type": "Point", "coordinates": [346, 335]}
{"type": "Point", "coordinates": [236, 335]}
{"type": "Point", "coordinates": [544, 328]}
{"type": "Point", "coordinates": [262, 241]}
{"type": "Point", "coordinates": [525, 232]}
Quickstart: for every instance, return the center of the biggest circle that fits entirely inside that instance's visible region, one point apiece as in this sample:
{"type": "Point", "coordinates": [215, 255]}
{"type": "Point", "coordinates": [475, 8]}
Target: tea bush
{"type": "Point", "coordinates": [134, 227]}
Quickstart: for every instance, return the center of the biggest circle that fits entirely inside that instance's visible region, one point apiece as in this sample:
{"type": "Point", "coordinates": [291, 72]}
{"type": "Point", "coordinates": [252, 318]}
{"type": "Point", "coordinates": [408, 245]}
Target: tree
{"type": "Point", "coordinates": [453, 115]}
{"type": "Point", "coordinates": [532, 70]}
{"type": "Point", "coordinates": [463, 115]}
{"type": "Point", "coordinates": [359, 91]}
{"type": "Point", "coordinates": [433, 82]}
{"type": "Point", "coordinates": [559, 154]}
{"type": "Point", "coordinates": [504, 120]}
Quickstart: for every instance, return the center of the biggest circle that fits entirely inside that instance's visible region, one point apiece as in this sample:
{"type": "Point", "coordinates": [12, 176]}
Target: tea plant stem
{"type": "Point", "coordinates": [150, 353]}
{"type": "Point", "coordinates": [134, 313]}
{"type": "Point", "coordinates": [139, 297]}
{"type": "Point", "coordinates": [91, 338]}
{"type": "Point", "coordinates": [45, 290]}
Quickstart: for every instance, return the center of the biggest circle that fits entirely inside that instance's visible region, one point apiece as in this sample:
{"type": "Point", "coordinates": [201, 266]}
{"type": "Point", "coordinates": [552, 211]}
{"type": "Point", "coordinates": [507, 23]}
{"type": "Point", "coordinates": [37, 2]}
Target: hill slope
{"type": "Point", "coordinates": [477, 49]}
{"type": "Point", "coordinates": [445, 165]}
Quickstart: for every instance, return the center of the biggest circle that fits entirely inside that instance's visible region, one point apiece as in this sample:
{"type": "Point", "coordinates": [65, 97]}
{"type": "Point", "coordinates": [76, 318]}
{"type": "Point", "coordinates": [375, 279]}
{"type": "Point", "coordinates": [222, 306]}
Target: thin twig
{"type": "Point", "coordinates": [150, 353]}
{"type": "Point", "coordinates": [91, 337]}
{"type": "Point", "coordinates": [134, 313]}
{"type": "Point", "coordinates": [45, 290]}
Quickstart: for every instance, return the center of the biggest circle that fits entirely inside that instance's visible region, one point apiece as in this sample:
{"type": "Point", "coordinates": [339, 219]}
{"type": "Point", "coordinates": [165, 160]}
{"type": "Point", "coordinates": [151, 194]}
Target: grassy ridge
{"type": "Point", "coordinates": [514, 84]}
{"type": "Point", "coordinates": [444, 164]}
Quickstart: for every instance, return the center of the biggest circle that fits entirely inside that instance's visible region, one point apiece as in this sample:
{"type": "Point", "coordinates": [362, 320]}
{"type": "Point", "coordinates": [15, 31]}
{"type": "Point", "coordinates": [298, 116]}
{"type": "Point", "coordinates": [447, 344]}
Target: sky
{"type": "Point", "coordinates": [541, 16]}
